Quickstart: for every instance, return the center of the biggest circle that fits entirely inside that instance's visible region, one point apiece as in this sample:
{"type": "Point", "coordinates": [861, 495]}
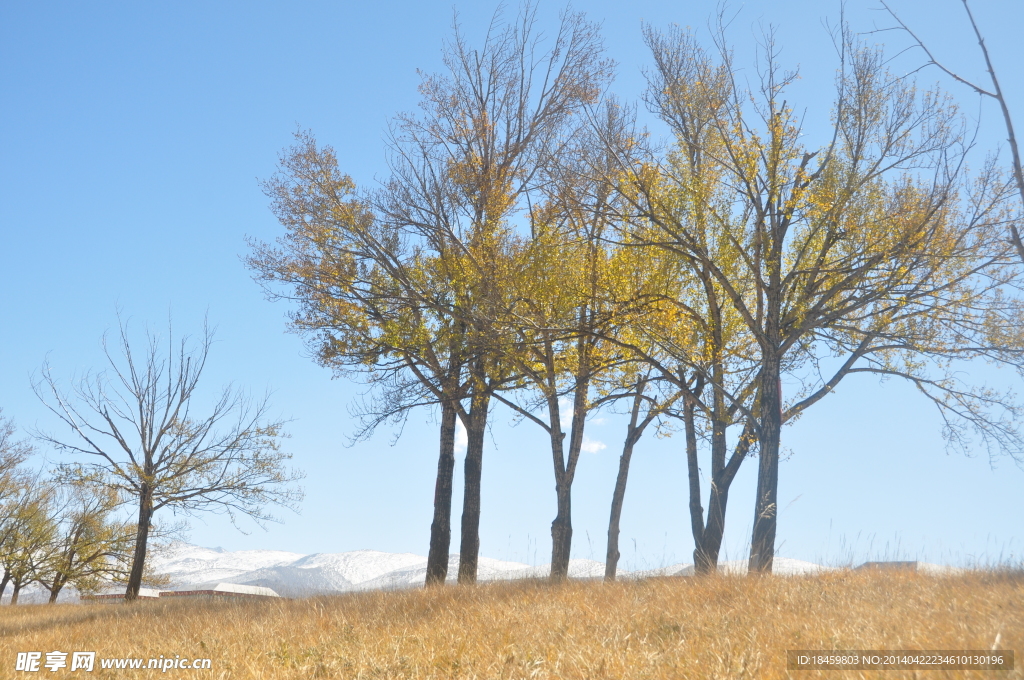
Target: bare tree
{"type": "Point", "coordinates": [139, 432]}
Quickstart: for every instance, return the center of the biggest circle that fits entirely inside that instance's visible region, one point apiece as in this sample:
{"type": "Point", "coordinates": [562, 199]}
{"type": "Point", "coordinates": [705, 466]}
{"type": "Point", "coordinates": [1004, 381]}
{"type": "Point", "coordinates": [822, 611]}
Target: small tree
{"type": "Point", "coordinates": [13, 479]}
{"type": "Point", "coordinates": [139, 434]}
{"type": "Point", "coordinates": [30, 535]}
{"type": "Point", "coordinates": [12, 454]}
{"type": "Point", "coordinates": [90, 546]}
{"type": "Point", "coordinates": [14, 483]}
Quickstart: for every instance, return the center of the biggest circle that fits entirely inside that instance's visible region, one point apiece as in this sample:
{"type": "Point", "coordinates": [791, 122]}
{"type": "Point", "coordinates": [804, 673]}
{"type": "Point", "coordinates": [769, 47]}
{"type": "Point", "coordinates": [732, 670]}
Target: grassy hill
{"type": "Point", "coordinates": [717, 627]}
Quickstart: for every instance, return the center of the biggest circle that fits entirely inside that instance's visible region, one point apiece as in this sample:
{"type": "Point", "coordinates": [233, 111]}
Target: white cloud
{"type": "Point", "coordinates": [592, 445]}
{"type": "Point", "coordinates": [461, 438]}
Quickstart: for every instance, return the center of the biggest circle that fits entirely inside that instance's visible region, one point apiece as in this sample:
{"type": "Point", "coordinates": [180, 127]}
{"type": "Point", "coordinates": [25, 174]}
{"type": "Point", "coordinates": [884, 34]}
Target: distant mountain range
{"type": "Point", "coordinates": [295, 575]}
{"type": "Point", "coordinates": [191, 567]}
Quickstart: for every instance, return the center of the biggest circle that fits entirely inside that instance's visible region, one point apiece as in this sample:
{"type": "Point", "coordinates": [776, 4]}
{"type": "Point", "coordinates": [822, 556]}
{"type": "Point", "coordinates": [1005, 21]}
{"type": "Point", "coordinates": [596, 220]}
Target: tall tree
{"type": "Point", "coordinates": [141, 434]}
{"type": "Point", "coordinates": [570, 295]}
{"type": "Point", "coordinates": [865, 239]}
{"type": "Point", "coordinates": [470, 166]}
{"type": "Point", "coordinates": [368, 304]}
{"type": "Point", "coordinates": [414, 272]}
{"type": "Point", "coordinates": [681, 326]}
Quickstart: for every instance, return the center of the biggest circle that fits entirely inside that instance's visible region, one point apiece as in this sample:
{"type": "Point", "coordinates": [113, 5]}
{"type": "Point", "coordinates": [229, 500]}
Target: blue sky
{"type": "Point", "coordinates": [132, 138]}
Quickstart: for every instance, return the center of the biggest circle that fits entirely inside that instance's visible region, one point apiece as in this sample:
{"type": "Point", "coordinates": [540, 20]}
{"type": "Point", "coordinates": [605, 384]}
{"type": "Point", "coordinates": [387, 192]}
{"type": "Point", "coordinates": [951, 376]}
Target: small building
{"type": "Point", "coordinates": [144, 594]}
{"type": "Point", "coordinates": [915, 566]}
{"type": "Point", "coordinates": [229, 590]}
{"type": "Point", "coordinates": [889, 566]}
{"type": "Point", "coordinates": [224, 590]}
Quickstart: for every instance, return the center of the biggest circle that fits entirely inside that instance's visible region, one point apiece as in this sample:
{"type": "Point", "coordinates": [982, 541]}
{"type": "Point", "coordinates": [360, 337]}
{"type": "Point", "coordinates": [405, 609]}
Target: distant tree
{"type": "Point", "coordinates": [30, 537]}
{"type": "Point", "coordinates": [13, 452]}
{"type": "Point", "coordinates": [145, 435]}
{"type": "Point", "coordinates": [13, 478]}
{"type": "Point", "coordinates": [15, 482]}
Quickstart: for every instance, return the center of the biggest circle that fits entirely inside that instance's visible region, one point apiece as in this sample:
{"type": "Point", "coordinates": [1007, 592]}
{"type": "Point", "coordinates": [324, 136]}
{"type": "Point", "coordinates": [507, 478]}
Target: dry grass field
{"type": "Point", "coordinates": [718, 627]}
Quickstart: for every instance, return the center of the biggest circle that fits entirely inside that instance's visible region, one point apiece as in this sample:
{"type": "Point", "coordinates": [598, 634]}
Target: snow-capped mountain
{"type": "Point", "coordinates": [190, 564]}
{"type": "Point", "coordinates": [191, 567]}
{"type": "Point", "coordinates": [294, 575]}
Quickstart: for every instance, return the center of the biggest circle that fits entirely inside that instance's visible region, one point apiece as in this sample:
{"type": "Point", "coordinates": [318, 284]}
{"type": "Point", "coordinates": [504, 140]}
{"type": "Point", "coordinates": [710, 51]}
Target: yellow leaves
{"type": "Point", "coordinates": [760, 228]}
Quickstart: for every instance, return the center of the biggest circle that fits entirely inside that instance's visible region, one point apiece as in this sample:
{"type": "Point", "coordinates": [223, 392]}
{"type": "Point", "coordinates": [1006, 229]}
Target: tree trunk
{"type": "Point", "coordinates": [565, 466]}
{"type": "Point", "coordinates": [469, 551]}
{"type": "Point", "coordinates": [561, 534]}
{"type": "Point", "coordinates": [131, 593]}
{"type": "Point", "coordinates": [707, 537]}
{"type": "Point", "coordinates": [762, 543]}
{"type": "Point", "coordinates": [441, 527]}
{"type": "Point", "coordinates": [701, 562]}
{"type": "Point", "coordinates": [17, 590]}
{"type": "Point", "coordinates": [59, 581]}
{"type": "Point", "coordinates": [60, 578]}
{"type": "Point", "coordinates": [3, 582]}
{"type": "Point", "coordinates": [561, 527]}
{"type": "Point", "coordinates": [711, 543]}
{"type": "Point", "coordinates": [611, 560]}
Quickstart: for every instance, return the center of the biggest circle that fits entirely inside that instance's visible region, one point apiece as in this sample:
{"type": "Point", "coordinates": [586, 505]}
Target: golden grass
{"type": "Point", "coordinates": [717, 627]}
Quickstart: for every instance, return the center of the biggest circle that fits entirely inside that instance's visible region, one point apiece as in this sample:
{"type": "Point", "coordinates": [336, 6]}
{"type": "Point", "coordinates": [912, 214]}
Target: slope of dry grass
{"type": "Point", "coordinates": [719, 627]}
